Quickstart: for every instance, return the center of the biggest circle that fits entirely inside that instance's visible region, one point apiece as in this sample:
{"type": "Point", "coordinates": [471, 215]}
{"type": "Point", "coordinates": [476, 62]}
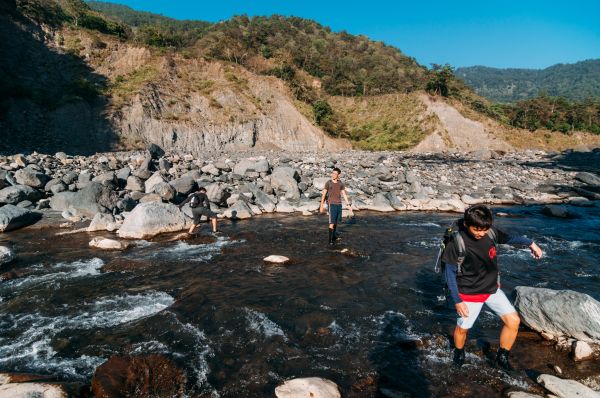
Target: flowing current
{"type": "Point", "coordinates": [370, 318]}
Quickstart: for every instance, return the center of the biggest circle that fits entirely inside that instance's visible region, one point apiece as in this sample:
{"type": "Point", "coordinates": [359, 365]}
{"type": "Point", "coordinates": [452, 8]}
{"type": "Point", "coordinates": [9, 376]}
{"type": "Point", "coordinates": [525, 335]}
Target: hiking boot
{"type": "Point", "coordinates": [502, 361]}
{"type": "Point", "coordinates": [459, 357]}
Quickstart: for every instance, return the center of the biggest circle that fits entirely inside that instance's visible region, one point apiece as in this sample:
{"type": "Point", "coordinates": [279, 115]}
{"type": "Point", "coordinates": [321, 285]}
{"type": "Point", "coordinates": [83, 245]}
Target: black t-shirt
{"type": "Point", "coordinates": [480, 268]}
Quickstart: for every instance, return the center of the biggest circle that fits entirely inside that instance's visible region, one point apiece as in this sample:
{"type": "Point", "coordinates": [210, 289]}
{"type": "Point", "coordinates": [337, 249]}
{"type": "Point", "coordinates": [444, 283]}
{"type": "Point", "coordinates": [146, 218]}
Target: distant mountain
{"type": "Point", "coordinates": [573, 81]}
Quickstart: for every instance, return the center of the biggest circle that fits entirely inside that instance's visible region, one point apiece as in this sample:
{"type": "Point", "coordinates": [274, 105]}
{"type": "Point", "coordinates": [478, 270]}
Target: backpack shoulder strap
{"type": "Point", "coordinates": [492, 234]}
{"type": "Point", "coordinates": [460, 245]}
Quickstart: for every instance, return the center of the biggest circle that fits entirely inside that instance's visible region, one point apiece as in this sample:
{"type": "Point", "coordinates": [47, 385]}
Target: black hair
{"type": "Point", "coordinates": [478, 216]}
{"type": "Point", "coordinates": [338, 170]}
{"type": "Point", "coordinates": [202, 189]}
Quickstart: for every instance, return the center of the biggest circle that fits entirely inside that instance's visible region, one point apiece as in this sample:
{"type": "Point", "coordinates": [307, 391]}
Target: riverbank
{"type": "Point", "coordinates": [246, 184]}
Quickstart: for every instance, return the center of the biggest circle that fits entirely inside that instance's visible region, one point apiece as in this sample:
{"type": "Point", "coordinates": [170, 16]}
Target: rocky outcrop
{"type": "Point", "coordinates": [559, 312]}
{"type": "Point", "coordinates": [107, 244]}
{"type": "Point", "coordinates": [150, 219]}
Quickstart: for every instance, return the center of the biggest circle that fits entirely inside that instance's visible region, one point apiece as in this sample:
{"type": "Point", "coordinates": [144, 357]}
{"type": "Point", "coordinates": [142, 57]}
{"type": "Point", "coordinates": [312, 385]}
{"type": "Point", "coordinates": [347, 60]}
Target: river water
{"type": "Point", "coordinates": [370, 319]}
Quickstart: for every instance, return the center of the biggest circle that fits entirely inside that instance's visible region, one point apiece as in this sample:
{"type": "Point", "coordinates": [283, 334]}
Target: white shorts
{"type": "Point", "coordinates": [498, 302]}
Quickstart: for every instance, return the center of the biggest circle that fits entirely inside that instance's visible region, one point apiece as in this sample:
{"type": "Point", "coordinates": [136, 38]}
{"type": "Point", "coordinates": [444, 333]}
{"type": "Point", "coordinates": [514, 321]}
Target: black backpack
{"type": "Point", "coordinates": [452, 233]}
{"type": "Point", "coordinates": [194, 202]}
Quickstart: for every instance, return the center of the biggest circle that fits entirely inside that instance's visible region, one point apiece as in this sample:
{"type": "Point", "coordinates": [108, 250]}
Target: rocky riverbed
{"type": "Point", "coordinates": [242, 185]}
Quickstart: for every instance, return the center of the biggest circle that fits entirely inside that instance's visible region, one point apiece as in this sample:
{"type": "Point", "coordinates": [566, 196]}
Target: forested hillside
{"type": "Point", "coordinates": [578, 81]}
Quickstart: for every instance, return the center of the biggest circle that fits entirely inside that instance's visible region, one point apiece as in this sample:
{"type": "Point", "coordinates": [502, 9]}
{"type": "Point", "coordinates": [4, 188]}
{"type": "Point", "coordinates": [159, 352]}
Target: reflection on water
{"type": "Point", "coordinates": [240, 326]}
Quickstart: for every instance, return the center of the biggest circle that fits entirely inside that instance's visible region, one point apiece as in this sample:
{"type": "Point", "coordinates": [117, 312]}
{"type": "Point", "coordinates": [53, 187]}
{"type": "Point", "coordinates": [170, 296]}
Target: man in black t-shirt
{"type": "Point", "coordinates": [200, 206]}
{"type": "Point", "coordinates": [475, 282]}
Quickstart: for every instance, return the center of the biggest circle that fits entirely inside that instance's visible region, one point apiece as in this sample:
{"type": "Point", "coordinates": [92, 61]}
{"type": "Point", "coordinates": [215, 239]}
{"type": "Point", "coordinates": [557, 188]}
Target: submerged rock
{"type": "Point", "coordinates": [276, 259]}
{"type": "Point", "coordinates": [139, 376]}
{"type": "Point", "coordinates": [6, 255]}
{"type": "Point", "coordinates": [107, 244]}
{"type": "Point", "coordinates": [559, 312]}
{"type": "Point", "coordinates": [313, 387]}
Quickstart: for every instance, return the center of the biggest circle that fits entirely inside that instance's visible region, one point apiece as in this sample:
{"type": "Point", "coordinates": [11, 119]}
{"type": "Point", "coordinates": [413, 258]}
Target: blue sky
{"type": "Point", "coordinates": [520, 34]}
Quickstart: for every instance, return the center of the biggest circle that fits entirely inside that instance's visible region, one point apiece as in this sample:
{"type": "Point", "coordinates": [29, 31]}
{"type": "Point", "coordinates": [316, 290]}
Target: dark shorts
{"type": "Point", "coordinates": [198, 212]}
{"type": "Point", "coordinates": [335, 213]}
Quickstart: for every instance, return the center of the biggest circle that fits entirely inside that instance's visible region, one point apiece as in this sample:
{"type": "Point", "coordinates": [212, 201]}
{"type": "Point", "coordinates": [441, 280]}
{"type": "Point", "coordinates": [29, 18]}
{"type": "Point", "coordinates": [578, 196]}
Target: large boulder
{"type": "Point", "coordinates": [150, 219]}
{"type": "Point", "coordinates": [31, 177]}
{"type": "Point", "coordinates": [314, 387]}
{"type": "Point", "coordinates": [380, 203]}
{"type": "Point", "coordinates": [283, 179]}
{"type": "Point", "coordinates": [239, 210]}
{"type": "Point", "coordinates": [139, 376]}
{"type": "Point", "coordinates": [215, 192]}
{"type": "Point", "coordinates": [559, 312]}
{"type": "Point", "coordinates": [17, 193]}
{"type": "Point", "coordinates": [94, 198]}
{"type": "Point", "coordinates": [261, 199]}
{"type": "Point", "coordinates": [106, 178]}
{"type": "Point", "coordinates": [13, 217]}
{"type": "Point", "coordinates": [184, 185]}
{"type": "Point", "coordinates": [563, 388]}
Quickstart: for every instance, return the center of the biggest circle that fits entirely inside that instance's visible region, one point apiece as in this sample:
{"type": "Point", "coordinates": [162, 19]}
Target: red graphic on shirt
{"type": "Point", "coordinates": [492, 252]}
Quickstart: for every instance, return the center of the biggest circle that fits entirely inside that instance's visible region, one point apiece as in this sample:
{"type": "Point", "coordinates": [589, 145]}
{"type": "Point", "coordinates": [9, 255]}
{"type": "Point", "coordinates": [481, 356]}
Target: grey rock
{"type": "Point", "coordinates": [215, 192]}
{"type": "Point", "coordinates": [31, 177]}
{"type": "Point", "coordinates": [263, 201]}
{"type": "Point", "coordinates": [559, 211]}
{"type": "Point", "coordinates": [25, 204]}
{"type": "Point", "coordinates": [103, 222]}
{"type": "Point", "coordinates": [151, 182]}
{"type": "Point", "coordinates": [559, 312]}
{"type": "Point", "coordinates": [380, 203]}
{"type": "Point", "coordinates": [211, 169]}
{"type": "Point", "coordinates": [410, 177]}
{"type": "Point", "coordinates": [184, 185]}
{"type": "Point", "coordinates": [13, 217]}
{"type": "Point", "coordinates": [563, 388]}
{"type": "Point", "coordinates": [165, 190]}
{"type": "Point", "coordinates": [51, 183]}
{"type": "Point", "coordinates": [164, 164]}
{"type": "Point", "coordinates": [94, 198]}
{"type": "Point", "coordinates": [127, 203]}
{"type": "Point", "coordinates": [17, 193]}
{"type": "Point", "coordinates": [239, 210]}
{"type": "Point", "coordinates": [70, 177]}
{"type": "Point", "coordinates": [150, 219]}
{"type": "Point", "coordinates": [122, 175]}
{"type": "Point", "coordinates": [135, 184]}
{"type": "Point", "coordinates": [107, 178]}
{"type": "Point", "coordinates": [319, 182]}
{"type": "Point", "coordinates": [588, 178]}
{"type": "Point", "coordinates": [282, 179]}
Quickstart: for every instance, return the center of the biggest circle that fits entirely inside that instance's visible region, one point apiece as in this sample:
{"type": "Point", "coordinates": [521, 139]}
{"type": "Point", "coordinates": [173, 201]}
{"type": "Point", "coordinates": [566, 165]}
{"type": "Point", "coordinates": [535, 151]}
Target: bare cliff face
{"type": "Point", "coordinates": [232, 110]}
